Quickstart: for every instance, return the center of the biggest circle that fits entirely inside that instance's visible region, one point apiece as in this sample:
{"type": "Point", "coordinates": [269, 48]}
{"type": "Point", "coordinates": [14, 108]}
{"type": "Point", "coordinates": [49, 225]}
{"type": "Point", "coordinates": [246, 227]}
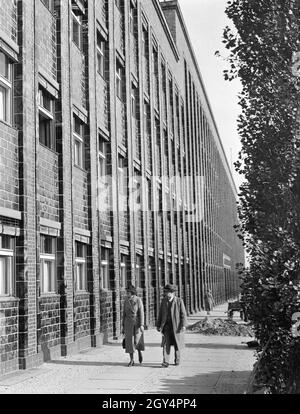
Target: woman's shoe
{"type": "Point", "coordinates": [131, 363]}
{"type": "Point", "coordinates": [140, 358]}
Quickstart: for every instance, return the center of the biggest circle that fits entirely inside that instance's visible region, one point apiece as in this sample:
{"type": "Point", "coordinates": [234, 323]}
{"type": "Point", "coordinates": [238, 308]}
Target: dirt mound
{"type": "Point", "coordinates": [222, 327]}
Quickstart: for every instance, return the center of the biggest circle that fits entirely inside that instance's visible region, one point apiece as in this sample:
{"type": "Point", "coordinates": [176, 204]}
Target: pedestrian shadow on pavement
{"type": "Point", "coordinates": [219, 382]}
{"type": "Point", "coordinates": [218, 346]}
{"type": "Point", "coordinates": [104, 364]}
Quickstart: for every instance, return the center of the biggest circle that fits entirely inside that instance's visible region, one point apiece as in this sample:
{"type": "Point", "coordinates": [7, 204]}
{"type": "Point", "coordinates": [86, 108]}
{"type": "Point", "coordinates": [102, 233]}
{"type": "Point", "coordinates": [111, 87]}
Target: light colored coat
{"type": "Point", "coordinates": [179, 319]}
{"type": "Point", "coordinates": [208, 301]}
{"type": "Point", "coordinates": [133, 319]}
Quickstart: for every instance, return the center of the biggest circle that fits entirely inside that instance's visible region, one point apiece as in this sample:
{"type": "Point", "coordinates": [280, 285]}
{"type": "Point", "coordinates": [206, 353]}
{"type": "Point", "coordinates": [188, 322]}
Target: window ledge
{"type": "Point", "coordinates": [49, 149]}
{"type": "Point", "coordinates": [81, 292]}
{"type": "Point", "coordinates": [49, 295]}
{"type": "Point", "coordinates": [80, 168]}
{"type": "Point", "coordinates": [9, 299]}
{"type": "Point", "coordinates": [6, 123]}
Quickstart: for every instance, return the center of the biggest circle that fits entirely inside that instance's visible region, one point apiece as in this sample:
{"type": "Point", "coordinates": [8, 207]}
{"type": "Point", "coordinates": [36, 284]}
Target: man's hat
{"type": "Point", "coordinates": [130, 288]}
{"type": "Point", "coordinates": [169, 288]}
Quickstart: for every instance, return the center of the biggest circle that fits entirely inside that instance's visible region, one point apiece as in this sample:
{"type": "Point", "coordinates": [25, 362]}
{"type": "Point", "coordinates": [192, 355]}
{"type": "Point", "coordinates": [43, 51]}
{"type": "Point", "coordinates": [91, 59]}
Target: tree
{"type": "Point", "coordinates": [262, 53]}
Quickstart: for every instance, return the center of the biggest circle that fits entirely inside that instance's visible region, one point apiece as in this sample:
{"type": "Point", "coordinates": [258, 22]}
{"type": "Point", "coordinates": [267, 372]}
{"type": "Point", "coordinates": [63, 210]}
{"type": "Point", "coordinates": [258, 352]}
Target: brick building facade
{"type": "Point", "coordinates": [111, 171]}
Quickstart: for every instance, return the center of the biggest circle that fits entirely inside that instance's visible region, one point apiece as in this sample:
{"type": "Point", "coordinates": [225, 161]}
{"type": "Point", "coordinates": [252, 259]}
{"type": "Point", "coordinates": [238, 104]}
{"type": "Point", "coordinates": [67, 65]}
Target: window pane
{"type": "Point", "coordinates": [77, 126]}
{"type": "Point", "coordinates": [78, 159]}
{"type": "Point", "coordinates": [47, 102]}
{"type": "Point", "coordinates": [4, 66]}
{"type": "Point", "coordinates": [48, 275]}
{"type": "Point", "coordinates": [80, 250]}
{"type": "Point", "coordinates": [2, 276]}
{"type": "Point", "coordinates": [47, 245]}
{"type": "Point", "coordinates": [80, 276]}
{"type": "Point", "coordinates": [6, 242]}
{"type": "Point", "coordinates": [75, 31]}
{"type": "Point", "coordinates": [45, 131]}
{"type": "Point", "coordinates": [6, 275]}
{"type": "Point", "coordinates": [3, 103]}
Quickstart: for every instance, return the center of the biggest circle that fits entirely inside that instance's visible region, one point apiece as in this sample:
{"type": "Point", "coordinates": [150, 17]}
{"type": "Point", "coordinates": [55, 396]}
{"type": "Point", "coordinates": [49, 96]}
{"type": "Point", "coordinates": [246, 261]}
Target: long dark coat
{"type": "Point", "coordinates": [133, 319]}
{"type": "Point", "coordinates": [179, 319]}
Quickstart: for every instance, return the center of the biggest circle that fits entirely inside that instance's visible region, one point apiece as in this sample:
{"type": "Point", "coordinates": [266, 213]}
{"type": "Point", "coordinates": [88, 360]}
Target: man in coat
{"type": "Point", "coordinates": [171, 322]}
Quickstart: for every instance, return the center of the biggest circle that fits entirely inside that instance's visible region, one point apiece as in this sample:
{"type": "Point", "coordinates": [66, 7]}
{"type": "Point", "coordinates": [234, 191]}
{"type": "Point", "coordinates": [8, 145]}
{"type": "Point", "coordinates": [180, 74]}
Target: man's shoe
{"type": "Point", "coordinates": [164, 365]}
{"type": "Point", "coordinates": [177, 363]}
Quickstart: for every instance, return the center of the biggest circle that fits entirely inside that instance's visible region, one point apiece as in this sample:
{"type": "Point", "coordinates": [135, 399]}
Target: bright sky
{"type": "Point", "coordinates": [205, 21]}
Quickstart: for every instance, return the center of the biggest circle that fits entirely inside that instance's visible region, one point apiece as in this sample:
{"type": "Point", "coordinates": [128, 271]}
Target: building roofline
{"type": "Point", "coordinates": [165, 25]}
{"type": "Point", "coordinates": [174, 4]}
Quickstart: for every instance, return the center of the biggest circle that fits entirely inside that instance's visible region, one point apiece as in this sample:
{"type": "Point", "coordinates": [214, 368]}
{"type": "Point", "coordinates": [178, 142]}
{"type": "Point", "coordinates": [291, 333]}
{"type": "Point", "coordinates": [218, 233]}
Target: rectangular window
{"type": "Point", "coordinates": [77, 33]}
{"type": "Point", "coordinates": [46, 119]}
{"type": "Point", "coordinates": [138, 272]}
{"type": "Point", "coordinates": [123, 271]}
{"type": "Point", "coordinates": [122, 176]}
{"type": "Point", "coordinates": [7, 266]}
{"type": "Point", "coordinates": [101, 47]}
{"type": "Point", "coordinates": [48, 264]}
{"type": "Point", "coordinates": [5, 88]}
{"type": "Point", "coordinates": [80, 267]}
{"type": "Point", "coordinates": [79, 148]}
{"type": "Point", "coordinates": [134, 100]}
{"type": "Point", "coordinates": [104, 269]}
{"type": "Point", "coordinates": [145, 43]}
{"type": "Point", "coordinates": [103, 147]}
{"type": "Point", "coordinates": [119, 81]}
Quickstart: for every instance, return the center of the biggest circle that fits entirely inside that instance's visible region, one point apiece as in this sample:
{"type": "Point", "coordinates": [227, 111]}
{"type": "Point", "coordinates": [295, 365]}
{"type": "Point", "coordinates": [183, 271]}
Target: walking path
{"type": "Point", "coordinates": [210, 365]}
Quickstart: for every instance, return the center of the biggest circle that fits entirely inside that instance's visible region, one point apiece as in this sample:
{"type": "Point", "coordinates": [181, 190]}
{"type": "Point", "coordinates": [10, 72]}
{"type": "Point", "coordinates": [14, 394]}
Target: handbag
{"type": "Point", "coordinates": [123, 343]}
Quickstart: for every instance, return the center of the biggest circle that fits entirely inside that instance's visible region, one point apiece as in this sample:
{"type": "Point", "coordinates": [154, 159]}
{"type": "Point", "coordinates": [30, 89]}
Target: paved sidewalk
{"type": "Point", "coordinates": [210, 365]}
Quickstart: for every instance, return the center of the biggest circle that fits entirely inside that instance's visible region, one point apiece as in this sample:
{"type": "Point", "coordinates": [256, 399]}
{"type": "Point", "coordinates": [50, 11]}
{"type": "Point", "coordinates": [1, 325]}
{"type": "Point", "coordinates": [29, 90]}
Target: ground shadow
{"type": "Point", "coordinates": [204, 345]}
{"type": "Point", "coordinates": [219, 382]}
{"type": "Point", "coordinates": [219, 346]}
{"type": "Point", "coordinates": [102, 364]}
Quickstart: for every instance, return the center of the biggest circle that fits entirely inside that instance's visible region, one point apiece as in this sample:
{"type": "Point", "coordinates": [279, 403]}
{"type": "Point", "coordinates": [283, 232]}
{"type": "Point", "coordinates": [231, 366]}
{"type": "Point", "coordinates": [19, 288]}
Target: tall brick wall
{"type": "Point", "coordinates": [9, 167]}
{"type": "Point", "coordinates": [102, 103]}
{"type": "Point", "coordinates": [78, 77]}
{"type": "Point", "coordinates": [82, 315]}
{"type": "Point", "coordinates": [9, 336]}
{"type": "Point", "coordinates": [49, 333]}
{"type": "Point", "coordinates": [48, 180]}
{"type": "Point", "coordinates": [46, 42]}
{"type": "Point", "coordinates": [106, 314]}
{"type": "Point", "coordinates": [80, 200]}
{"type": "Point", "coordinates": [101, 11]}
{"type": "Point", "coordinates": [119, 30]}
{"type": "Point", "coordinates": [8, 18]}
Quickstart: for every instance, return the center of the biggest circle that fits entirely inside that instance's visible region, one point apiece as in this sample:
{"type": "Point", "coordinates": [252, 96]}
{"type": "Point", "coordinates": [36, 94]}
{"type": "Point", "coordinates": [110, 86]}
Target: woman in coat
{"type": "Point", "coordinates": [208, 301]}
{"type": "Point", "coordinates": [133, 325]}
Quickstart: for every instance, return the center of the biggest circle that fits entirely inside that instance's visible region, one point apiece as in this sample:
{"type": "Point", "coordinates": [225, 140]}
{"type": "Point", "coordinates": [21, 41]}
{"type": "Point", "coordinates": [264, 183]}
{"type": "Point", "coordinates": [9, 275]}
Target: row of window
{"type": "Point", "coordinates": [48, 266]}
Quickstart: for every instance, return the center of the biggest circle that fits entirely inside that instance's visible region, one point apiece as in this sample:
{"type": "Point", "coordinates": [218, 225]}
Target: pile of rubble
{"type": "Point", "coordinates": [222, 327]}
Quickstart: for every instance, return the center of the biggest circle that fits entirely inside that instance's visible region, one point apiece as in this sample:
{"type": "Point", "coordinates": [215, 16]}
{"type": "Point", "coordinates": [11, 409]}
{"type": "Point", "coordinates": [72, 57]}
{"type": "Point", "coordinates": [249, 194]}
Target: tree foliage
{"type": "Point", "coordinates": [262, 52]}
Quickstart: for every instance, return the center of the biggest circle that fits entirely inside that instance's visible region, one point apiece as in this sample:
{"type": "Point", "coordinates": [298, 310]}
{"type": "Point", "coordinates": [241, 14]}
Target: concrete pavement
{"type": "Point", "coordinates": [210, 365]}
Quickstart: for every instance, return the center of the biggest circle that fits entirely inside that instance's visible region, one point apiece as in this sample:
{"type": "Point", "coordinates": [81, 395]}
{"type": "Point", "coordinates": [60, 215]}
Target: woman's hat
{"type": "Point", "coordinates": [169, 288]}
